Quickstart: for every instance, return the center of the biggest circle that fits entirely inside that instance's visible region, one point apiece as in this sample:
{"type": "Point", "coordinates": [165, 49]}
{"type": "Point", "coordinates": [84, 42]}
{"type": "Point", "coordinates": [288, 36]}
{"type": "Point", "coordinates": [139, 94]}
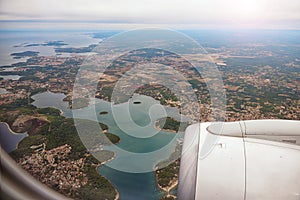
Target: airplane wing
{"type": "Point", "coordinates": [243, 160]}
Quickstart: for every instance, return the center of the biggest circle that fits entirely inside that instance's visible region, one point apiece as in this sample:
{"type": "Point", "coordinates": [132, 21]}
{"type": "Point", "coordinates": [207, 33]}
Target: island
{"type": "Point", "coordinates": [24, 54]}
{"type": "Point", "coordinates": [170, 124]}
{"type": "Point", "coordinates": [76, 50]}
{"type": "Point", "coordinates": [103, 113]}
{"type": "Point", "coordinates": [56, 43]}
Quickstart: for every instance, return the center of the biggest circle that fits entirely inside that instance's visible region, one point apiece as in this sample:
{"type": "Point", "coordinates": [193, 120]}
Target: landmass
{"type": "Point", "coordinates": [169, 124]}
{"type": "Point", "coordinates": [29, 123]}
{"type": "Point", "coordinates": [76, 50]}
{"type": "Point", "coordinates": [54, 154]}
{"type": "Point", "coordinates": [103, 113]}
{"type": "Point", "coordinates": [251, 93]}
{"type": "Point", "coordinates": [78, 102]}
{"type": "Point", "coordinates": [24, 54]}
{"type": "Point", "coordinates": [167, 172]}
{"type": "Point", "coordinates": [55, 43]}
{"type": "Point", "coordinates": [259, 83]}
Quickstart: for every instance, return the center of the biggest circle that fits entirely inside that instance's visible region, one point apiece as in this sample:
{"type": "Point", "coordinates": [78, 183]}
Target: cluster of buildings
{"type": "Point", "coordinates": [55, 169]}
{"type": "Point", "coordinates": [246, 90]}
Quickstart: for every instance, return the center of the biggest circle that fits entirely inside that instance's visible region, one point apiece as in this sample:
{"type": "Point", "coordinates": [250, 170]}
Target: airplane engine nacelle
{"type": "Point", "coordinates": [244, 160]}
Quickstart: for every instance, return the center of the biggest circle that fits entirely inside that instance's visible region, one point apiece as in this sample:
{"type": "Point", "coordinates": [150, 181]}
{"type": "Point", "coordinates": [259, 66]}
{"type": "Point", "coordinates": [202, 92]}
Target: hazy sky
{"type": "Point", "coordinates": [198, 13]}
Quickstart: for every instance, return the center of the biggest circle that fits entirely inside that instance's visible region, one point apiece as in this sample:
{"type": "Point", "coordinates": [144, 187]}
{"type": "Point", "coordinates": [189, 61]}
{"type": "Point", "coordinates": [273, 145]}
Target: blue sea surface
{"type": "Point", "coordinates": [16, 41]}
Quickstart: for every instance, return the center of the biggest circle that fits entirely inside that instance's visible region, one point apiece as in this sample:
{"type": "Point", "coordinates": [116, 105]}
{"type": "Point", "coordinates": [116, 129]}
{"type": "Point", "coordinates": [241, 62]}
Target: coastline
{"type": "Point", "coordinates": [15, 134]}
{"type": "Point", "coordinates": [11, 131]}
{"type": "Point", "coordinates": [117, 196]}
{"type": "Point", "coordinates": [162, 129]}
{"type": "Point", "coordinates": [60, 110]}
{"type": "Point", "coordinates": [167, 189]}
{"type": "Point", "coordinates": [97, 169]}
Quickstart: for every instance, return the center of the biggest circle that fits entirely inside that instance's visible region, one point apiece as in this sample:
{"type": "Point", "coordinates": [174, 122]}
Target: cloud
{"type": "Point", "coordinates": [154, 11]}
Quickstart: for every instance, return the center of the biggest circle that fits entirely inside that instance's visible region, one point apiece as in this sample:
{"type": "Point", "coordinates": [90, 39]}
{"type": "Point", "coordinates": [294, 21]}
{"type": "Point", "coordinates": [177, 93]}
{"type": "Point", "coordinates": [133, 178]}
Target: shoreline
{"type": "Point", "coordinates": [162, 129]}
{"type": "Point", "coordinates": [167, 189]}
{"type": "Point", "coordinates": [117, 196]}
{"type": "Point", "coordinates": [11, 131]}
{"type": "Point", "coordinates": [98, 171]}
{"type": "Point", "coordinates": [49, 91]}
{"type": "Point", "coordinates": [16, 134]}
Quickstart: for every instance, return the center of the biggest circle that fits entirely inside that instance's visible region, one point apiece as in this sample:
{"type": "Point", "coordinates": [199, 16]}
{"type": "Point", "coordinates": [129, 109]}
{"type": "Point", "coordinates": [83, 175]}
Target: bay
{"type": "Point", "coordinates": [8, 139]}
{"type": "Point", "coordinates": [130, 185]}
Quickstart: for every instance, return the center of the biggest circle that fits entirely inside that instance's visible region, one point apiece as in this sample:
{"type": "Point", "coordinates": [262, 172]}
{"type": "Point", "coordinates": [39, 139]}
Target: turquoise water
{"type": "Point", "coordinates": [133, 186]}
{"type": "Point", "coordinates": [135, 138]}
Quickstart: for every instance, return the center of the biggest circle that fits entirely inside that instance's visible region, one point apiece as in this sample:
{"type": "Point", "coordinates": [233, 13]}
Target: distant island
{"type": "Point", "coordinates": [56, 43]}
{"type": "Point", "coordinates": [76, 50]}
{"type": "Point", "coordinates": [24, 54]}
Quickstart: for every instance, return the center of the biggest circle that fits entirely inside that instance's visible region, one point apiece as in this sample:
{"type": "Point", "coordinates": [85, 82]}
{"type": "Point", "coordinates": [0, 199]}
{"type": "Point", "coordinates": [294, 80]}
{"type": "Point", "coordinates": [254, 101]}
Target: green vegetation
{"type": "Point", "coordinates": [24, 54]}
{"type": "Point", "coordinates": [167, 174]}
{"type": "Point", "coordinates": [165, 93]}
{"type": "Point", "coordinates": [25, 144]}
{"type": "Point", "coordinates": [62, 131]}
{"type": "Point", "coordinates": [106, 92]}
{"type": "Point", "coordinates": [98, 187]}
{"type": "Point", "coordinates": [112, 137]}
{"type": "Point", "coordinates": [18, 103]}
{"type": "Point", "coordinates": [49, 111]}
{"type": "Point", "coordinates": [103, 126]}
{"type": "Point", "coordinates": [267, 108]}
{"type": "Point", "coordinates": [170, 124]}
{"type": "Point", "coordinates": [168, 170]}
{"type": "Point", "coordinates": [28, 78]}
{"type": "Point", "coordinates": [10, 112]}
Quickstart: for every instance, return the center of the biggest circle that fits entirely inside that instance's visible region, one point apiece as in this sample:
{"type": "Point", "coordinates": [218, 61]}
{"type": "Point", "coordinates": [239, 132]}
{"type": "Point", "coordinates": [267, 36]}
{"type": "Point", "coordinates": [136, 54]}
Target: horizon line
{"type": "Point", "coordinates": [177, 26]}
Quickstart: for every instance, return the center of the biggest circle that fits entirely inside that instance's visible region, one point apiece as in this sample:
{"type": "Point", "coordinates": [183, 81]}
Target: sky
{"type": "Point", "coordinates": [272, 14]}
